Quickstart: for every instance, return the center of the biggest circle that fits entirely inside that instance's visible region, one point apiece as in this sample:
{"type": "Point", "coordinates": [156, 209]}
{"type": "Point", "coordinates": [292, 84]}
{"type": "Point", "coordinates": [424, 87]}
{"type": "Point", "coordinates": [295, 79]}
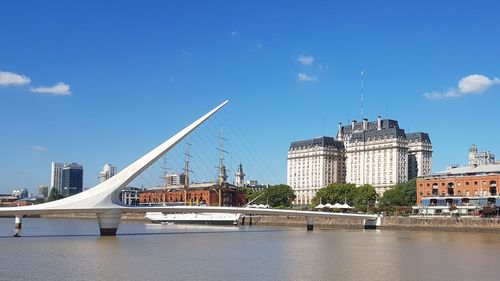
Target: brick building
{"type": "Point", "coordinates": [467, 188]}
{"type": "Point", "coordinates": [197, 194]}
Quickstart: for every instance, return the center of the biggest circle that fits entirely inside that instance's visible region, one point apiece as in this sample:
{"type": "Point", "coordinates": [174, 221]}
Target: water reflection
{"type": "Point", "coordinates": [57, 249]}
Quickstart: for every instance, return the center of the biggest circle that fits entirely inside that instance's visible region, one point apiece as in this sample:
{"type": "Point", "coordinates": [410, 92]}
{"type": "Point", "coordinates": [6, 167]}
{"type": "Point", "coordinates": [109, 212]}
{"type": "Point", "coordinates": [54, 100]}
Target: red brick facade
{"type": "Point", "coordinates": [467, 186]}
{"type": "Point", "coordinates": [209, 197]}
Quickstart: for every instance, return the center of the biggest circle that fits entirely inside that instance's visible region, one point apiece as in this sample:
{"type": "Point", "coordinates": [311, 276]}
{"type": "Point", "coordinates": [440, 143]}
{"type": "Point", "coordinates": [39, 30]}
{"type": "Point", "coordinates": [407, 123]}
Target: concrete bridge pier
{"type": "Point", "coordinates": [109, 221]}
{"type": "Point", "coordinates": [372, 223]}
{"type": "Point", "coordinates": [17, 225]}
{"type": "Point", "coordinates": [310, 223]}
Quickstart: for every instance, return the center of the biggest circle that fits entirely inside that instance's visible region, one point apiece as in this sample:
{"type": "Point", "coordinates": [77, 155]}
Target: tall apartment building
{"type": "Point", "coordinates": [314, 164]}
{"type": "Point", "coordinates": [108, 170]}
{"type": "Point", "coordinates": [56, 176]}
{"type": "Point", "coordinates": [175, 179]}
{"type": "Point", "coordinates": [72, 179]}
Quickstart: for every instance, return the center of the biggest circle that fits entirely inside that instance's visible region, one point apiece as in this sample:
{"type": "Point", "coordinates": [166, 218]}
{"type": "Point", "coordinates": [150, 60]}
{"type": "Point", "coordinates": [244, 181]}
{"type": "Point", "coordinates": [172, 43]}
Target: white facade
{"type": "Point", "coordinates": [239, 177]}
{"type": "Point", "coordinates": [56, 175]}
{"type": "Point", "coordinates": [480, 158]}
{"type": "Point", "coordinates": [314, 164]}
{"type": "Point", "coordinates": [175, 179]}
{"type": "Point", "coordinates": [376, 153]}
{"type": "Point", "coordinates": [419, 155]}
{"type": "Point", "coordinates": [107, 172]}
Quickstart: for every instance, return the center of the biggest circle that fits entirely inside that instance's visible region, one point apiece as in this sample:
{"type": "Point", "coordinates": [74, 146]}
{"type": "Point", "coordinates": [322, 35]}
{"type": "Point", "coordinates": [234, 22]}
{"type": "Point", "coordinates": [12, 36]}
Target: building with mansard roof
{"type": "Point", "coordinates": [378, 153]}
{"type": "Point", "coordinates": [314, 164]}
{"type": "Point", "coordinates": [381, 154]}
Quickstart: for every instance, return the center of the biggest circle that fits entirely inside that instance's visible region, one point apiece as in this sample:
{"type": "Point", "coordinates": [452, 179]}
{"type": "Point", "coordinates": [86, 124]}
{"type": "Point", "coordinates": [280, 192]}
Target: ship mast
{"type": "Point", "coordinates": [222, 168]}
{"type": "Point", "coordinates": [186, 171]}
{"type": "Point", "coordinates": [165, 173]}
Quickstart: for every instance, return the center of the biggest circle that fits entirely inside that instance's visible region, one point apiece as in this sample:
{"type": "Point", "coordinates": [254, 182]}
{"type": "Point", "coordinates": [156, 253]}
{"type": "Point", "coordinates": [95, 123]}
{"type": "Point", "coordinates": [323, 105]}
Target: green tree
{"type": "Point", "coordinates": [247, 190]}
{"type": "Point", "coordinates": [403, 194]}
{"type": "Point", "coordinates": [365, 197]}
{"type": "Point", "coordinates": [335, 193]}
{"type": "Point", "coordinates": [277, 196]}
{"type": "Point", "coordinates": [361, 197]}
{"type": "Point", "coordinates": [39, 201]}
{"type": "Point", "coordinates": [54, 194]}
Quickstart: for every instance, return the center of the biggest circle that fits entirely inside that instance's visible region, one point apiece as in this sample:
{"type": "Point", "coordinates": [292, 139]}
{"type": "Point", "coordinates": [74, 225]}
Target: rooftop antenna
{"type": "Point", "coordinates": [362, 91]}
{"type": "Point", "coordinates": [387, 112]}
{"type": "Point", "coordinates": [323, 125]}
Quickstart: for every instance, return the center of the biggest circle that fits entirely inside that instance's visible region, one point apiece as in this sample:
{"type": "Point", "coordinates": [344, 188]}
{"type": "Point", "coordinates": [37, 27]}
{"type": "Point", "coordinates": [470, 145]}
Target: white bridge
{"type": "Point", "coordinates": [103, 199]}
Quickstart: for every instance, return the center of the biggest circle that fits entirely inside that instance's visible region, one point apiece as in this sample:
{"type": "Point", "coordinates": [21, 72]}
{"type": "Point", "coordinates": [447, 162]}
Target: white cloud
{"type": "Point", "coordinates": [60, 89]}
{"type": "Point", "coordinates": [303, 77]}
{"type": "Point", "coordinates": [38, 148]}
{"type": "Point", "coordinates": [306, 60]}
{"type": "Point", "coordinates": [472, 84]}
{"type": "Point", "coordinates": [476, 84]}
{"type": "Point", "coordinates": [451, 93]}
{"type": "Point", "coordinates": [235, 33]}
{"type": "Point", "coordinates": [10, 79]}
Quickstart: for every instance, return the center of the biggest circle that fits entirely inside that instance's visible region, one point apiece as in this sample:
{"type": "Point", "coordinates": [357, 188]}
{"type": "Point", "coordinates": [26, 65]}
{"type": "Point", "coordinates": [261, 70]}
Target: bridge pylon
{"type": "Point", "coordinates": [109, 221]}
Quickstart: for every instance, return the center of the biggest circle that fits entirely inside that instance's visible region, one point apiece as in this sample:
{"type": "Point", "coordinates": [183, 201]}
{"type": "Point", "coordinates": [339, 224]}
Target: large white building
{"type": "Point", "coordinates": [314, 164]}
{"type": "Point", "coordinates": [378, 153]}
{"type": "Point", "coordinates": [56, 175]}
{"type": "Point", "coordinates": [66, 178]}
{"type": "Point", "coordinates": [482, 158]}
{"type": "Point", "coordinates": [419, 155]}
{"type": "Point", "coordinates": [381, 154]}
{"type": "Point", "coordinates": [108, 170]}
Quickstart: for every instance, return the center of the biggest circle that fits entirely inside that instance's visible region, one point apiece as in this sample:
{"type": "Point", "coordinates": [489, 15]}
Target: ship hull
{"type": "Point", "coordinates": [193, 218]}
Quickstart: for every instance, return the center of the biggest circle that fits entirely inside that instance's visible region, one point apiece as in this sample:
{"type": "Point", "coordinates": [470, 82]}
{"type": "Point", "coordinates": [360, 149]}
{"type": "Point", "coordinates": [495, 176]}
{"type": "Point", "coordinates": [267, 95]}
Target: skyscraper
{"type": "Point", "coordinates": [56, 176]}
{"type": "Point", "coordinates": [72, 179]}
{"type": "Point", "coordinates": [107, 172]}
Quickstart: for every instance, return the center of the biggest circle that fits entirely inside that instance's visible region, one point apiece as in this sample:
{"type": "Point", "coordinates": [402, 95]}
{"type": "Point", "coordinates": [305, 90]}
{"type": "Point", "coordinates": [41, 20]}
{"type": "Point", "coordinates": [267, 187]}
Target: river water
{"type": "Point", "coordinates": [70, 249]}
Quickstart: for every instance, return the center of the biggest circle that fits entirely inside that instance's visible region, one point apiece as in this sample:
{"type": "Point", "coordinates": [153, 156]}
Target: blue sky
{"type": "Point", "coordinates": [98, 82]}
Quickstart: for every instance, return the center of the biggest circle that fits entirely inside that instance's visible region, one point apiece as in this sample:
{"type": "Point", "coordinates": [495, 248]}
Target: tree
{"type": "Point", "coordinates": [403, 194]}
{"type": "Point", "coordinates": [360, 197]}
{"type": "Point", "coordinates": [39, 201]}
{"type": "Point", "coordinates": [365, 197]}
{"type": "Point", "coordinates": [247, 190]}
{"type": "Point", "coordinates": [280, 196]}
{"type": "Point", "coordinates": [54, 194]}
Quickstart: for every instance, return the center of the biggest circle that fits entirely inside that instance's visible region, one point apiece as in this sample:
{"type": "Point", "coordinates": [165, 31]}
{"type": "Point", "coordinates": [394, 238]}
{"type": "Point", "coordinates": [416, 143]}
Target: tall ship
{"type": "Point", "coordinates": [194, 218]}
{"type": "Point", "coordinates": [178, 191]}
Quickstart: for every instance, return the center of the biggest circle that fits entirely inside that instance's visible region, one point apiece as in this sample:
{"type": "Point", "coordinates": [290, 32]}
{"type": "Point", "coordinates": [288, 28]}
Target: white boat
{"type": "Point", "coordinates": [194, 218]}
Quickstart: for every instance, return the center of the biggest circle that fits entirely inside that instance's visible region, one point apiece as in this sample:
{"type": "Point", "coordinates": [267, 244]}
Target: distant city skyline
{"type": "Point", "coordinates": [76, 86]}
